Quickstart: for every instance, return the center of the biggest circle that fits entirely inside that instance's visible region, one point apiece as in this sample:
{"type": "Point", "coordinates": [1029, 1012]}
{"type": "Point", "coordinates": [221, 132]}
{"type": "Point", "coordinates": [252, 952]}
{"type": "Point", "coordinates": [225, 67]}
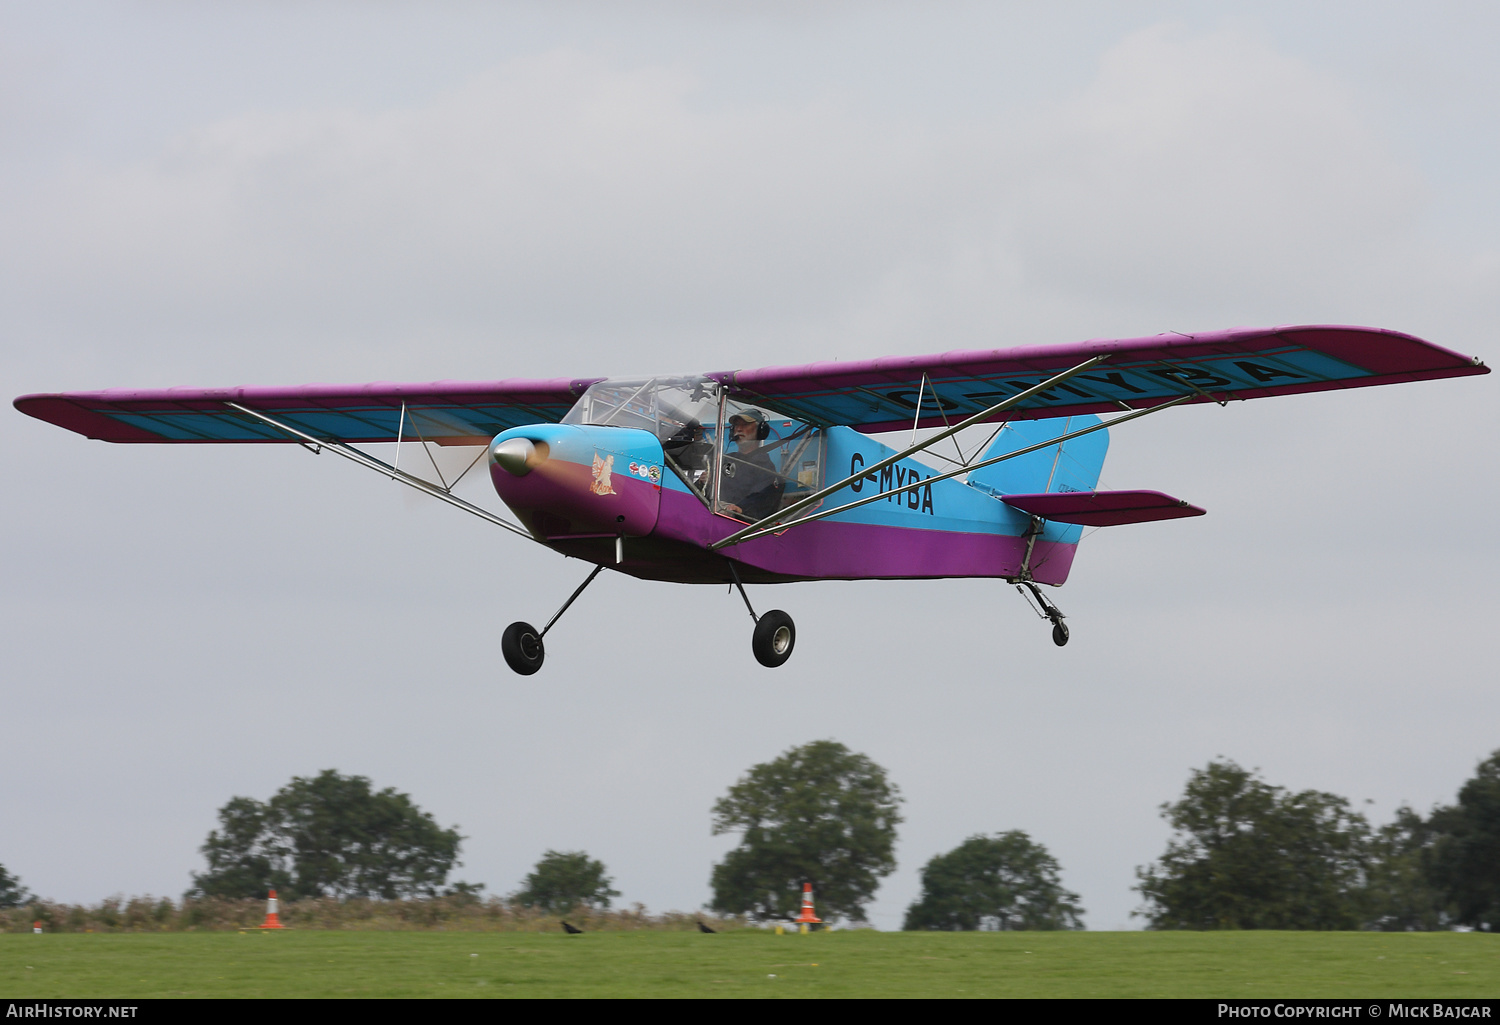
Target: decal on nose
{"type": "Point", "coordinates": [519, 456]}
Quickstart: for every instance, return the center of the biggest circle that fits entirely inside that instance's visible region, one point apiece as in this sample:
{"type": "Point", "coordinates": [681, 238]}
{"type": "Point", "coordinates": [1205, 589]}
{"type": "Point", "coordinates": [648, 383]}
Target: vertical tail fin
{"type": "Point", "coordinates": [1072, 466]}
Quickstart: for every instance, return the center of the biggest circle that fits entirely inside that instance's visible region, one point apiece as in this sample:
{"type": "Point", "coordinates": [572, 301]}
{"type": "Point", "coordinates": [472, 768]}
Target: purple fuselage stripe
{"type": "Point", "coordinates": [830, 550]}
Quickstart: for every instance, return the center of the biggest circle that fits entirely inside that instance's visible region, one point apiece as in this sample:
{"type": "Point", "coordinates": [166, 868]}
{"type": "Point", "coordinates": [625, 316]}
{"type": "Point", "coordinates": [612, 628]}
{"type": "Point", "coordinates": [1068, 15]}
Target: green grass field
{"type": "Point", "coordinates": [751, 964]}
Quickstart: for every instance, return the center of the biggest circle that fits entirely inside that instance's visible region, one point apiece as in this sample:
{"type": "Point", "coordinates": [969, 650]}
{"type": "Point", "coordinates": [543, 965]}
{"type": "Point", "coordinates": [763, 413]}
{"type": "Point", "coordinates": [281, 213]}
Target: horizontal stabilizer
{"type": "Point", "coordinates": [1103, 508]}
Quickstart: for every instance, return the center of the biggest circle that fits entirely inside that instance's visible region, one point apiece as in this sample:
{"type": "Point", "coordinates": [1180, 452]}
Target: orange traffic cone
{"type": "Point", "coordinates": [807, 917]}
{"type": "Point", "coordinates": [273, 920]}
{"type": "Point", "coordinates": [36, 926]}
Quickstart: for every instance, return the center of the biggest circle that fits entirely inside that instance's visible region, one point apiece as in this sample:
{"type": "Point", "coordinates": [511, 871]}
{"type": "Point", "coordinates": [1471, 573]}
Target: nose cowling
{"type": "Point", "coordinates": [567, 479]}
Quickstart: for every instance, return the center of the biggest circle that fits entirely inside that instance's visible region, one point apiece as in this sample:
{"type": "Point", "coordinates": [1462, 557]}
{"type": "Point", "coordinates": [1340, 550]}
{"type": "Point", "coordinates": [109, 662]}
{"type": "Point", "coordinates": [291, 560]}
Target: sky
{"type": "Point", "coordinates": [269, 193]}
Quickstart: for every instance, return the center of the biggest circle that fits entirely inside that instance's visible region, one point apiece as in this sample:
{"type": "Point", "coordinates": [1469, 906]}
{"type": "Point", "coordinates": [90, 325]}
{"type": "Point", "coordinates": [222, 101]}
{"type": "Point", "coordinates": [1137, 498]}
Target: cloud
{"type": "Point", "coordinates": [563, 196]}
{"type": "Point", "coordinates": [554, 190]}
{"type": "Point", "coordinates": [1214, 166]}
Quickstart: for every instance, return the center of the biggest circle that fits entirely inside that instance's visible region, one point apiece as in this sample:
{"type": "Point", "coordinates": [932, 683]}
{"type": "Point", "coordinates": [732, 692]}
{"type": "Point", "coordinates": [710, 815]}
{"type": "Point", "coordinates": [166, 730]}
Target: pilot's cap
{"type": "Point", "coordinates": [749, 416]}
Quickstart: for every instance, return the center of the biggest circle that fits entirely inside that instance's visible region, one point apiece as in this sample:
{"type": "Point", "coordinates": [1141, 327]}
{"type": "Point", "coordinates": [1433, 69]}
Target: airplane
{"type": "Point", "coordinates": [769, 475]}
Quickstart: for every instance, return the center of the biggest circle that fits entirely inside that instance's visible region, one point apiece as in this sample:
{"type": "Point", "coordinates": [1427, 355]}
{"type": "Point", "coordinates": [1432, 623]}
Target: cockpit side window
{"type": "Point", "coordinates": [767, 461]}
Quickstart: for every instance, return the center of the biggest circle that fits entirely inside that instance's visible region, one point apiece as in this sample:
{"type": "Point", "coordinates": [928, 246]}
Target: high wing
{"type": "Point", "coordinates": [445, 412]}
{"type": "Point", "coordinates": [1241, 363]}
{"type": "Point", "coordinates": [870, 395]}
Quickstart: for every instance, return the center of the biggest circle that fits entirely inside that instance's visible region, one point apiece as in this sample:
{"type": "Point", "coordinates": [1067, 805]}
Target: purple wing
{"type": "Point", "coordinates": [1103, 508]}
{"type": "Point", "coordinates": [1241, 363]}
{"type": "Point", "coordinates": [447, 412]}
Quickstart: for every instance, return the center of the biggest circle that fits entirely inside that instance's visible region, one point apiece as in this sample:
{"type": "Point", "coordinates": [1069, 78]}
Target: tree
{"type": "Point", "coordinates": [819, 814]}
{"type": "Point", "coordinates": [564, 880]}
{"type": "Point", "coordinates": [1401, 895]}
{"type": "Point", "coordinates": [12, 893]}
{"type": "Point", "coordinates": [1465, 862]}
{"type": "Point", "coordinates": [1006, 879]}
{"type": "Point", "coordinates": [1248, 855]}
{"type": "Point", "coordinates": [246, 855]}
{"type": "Point", "coordinates": [329, 835]}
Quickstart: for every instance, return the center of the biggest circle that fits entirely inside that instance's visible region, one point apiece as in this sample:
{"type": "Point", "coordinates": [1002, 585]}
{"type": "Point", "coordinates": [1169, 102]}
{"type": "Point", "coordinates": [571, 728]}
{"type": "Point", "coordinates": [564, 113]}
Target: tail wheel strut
{"type": "Point", "coordinates": [1047, 611]}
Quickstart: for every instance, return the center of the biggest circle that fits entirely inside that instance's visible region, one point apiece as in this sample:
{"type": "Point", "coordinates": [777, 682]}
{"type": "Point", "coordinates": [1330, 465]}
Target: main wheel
{"type": "Point", "coordinates": [1059, 634]}
{"type": "Point", "coordinates": [522, 647]}
{"type": "Point", "coordinates": [775, 635]}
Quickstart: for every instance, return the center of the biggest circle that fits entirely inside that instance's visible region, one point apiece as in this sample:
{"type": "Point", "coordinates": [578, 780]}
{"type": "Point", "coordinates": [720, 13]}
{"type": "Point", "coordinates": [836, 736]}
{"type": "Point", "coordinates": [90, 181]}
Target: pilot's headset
{"type": "Point", "coordinates": [756, 417]}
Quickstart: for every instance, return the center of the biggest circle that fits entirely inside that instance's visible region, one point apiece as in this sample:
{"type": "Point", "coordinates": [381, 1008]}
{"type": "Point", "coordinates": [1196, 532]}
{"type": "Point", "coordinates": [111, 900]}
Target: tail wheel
{"type": "Point", "coordinates": [1059, 634]}
{"type": "Point", "coordinates": [775, 636]}
{"type": "Point", "coordinates": [521, 644]}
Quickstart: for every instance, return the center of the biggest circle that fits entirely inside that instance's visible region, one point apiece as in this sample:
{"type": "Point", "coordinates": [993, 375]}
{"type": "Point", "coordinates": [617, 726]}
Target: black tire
{"type": "Point", "coordinates": [1059, 634]}
{"type": "Point", "coordinates": [522, 647]}
{"type": "Point", "coordinates": [775, 637]}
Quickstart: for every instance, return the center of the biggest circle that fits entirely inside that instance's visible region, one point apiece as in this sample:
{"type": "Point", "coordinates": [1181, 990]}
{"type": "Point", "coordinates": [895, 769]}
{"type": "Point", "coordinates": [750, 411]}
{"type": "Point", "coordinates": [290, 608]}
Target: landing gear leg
{"type": "Point", "coordinates": [775, 634]}
{"type": "Point", "coordinates": [521, 644]}
{"type": "Point", "coordinates": [1049, 612]}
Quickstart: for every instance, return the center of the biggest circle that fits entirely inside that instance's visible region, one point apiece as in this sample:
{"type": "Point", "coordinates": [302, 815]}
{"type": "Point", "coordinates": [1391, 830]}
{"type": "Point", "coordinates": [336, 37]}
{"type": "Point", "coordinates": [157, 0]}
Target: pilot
{"type": "Point", "coordinates": [750, 487]}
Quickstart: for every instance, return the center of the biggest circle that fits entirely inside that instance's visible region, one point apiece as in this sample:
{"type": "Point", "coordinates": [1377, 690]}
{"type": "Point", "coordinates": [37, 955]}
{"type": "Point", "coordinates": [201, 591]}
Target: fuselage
{"type": "Point", "coordinates": [580, 487]}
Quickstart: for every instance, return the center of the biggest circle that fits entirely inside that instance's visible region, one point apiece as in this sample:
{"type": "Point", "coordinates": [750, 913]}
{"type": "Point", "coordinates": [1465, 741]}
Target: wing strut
{"type": "Point", "coordinates": [757, 529]}
{"type": "Point", "coordinates": [385, 469]}
{"type": "Point", "coordinates": [754, 531]}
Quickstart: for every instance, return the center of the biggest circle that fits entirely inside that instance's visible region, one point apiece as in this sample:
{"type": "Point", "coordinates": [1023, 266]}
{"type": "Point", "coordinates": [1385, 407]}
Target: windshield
{"type": "Point", "coordinates": [742, 460]}
{"type": "Point", "coordinates": [672, 408]}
